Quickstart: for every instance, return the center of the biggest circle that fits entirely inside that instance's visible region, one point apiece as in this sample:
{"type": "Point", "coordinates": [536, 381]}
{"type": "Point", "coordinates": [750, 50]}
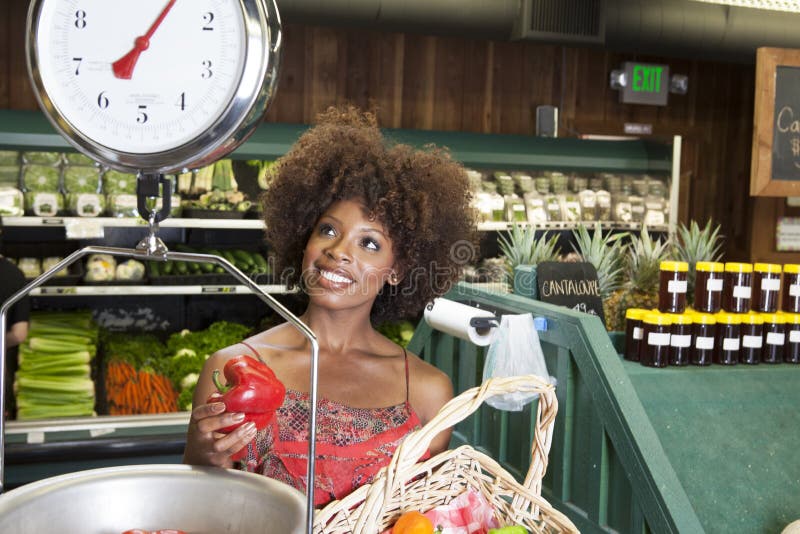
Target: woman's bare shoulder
{"type": "Point", "coordinates": [264, 343]}
{"type": "Point", "coordinates": [429, 387]}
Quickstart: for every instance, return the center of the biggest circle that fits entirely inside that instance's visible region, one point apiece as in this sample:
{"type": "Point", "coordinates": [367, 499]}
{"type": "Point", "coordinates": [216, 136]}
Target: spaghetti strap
{"type": "Point", "coordinates": [405, 355]}
{"type": "Point", "coordinates": [258, 356]}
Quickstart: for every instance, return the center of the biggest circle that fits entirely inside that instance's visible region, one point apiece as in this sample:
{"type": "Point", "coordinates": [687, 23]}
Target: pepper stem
{"type": "Point", "coordinates": [217, 384]}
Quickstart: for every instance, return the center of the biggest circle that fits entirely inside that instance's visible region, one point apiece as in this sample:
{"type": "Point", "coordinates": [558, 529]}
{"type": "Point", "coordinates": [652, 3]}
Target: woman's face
{"type": "Point", "coordinates": [348, 257]}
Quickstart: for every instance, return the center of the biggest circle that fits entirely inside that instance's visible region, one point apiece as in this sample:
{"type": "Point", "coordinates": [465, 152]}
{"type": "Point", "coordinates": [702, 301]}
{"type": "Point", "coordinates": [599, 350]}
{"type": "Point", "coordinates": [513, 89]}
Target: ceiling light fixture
{"type": "Point", "coordinates": [792, 6]}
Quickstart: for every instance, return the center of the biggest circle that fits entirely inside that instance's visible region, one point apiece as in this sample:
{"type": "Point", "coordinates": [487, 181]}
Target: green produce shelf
{"type": "Point", "coordinates": [21, 130]}
{"type": "Point", "coordinates": [635, 449]}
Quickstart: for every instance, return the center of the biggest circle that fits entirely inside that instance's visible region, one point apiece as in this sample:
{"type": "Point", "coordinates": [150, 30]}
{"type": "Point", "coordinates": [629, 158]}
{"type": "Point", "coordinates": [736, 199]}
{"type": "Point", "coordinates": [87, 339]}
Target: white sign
{"type": "Point", "coordinates": [787, 234]}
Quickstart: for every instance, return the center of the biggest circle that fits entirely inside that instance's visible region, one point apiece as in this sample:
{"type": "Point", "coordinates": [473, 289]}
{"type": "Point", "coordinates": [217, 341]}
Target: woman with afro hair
{"type": "Point", "coordinates": [370, 231]}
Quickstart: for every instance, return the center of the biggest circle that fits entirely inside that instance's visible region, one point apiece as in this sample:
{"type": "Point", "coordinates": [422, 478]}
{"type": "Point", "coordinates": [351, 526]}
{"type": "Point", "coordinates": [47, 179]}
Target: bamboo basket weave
{"type": "Point", "coordinates": [406, 484]}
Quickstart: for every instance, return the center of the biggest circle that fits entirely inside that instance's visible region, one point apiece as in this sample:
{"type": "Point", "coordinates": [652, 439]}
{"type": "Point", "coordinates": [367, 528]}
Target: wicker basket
{"type": "Point", "coordinates": [406, 484]}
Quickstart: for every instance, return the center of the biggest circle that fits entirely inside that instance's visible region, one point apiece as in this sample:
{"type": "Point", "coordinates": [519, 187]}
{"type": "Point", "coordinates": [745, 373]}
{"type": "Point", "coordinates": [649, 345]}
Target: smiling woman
{"type": "Point", "coordinates": [370, 231]}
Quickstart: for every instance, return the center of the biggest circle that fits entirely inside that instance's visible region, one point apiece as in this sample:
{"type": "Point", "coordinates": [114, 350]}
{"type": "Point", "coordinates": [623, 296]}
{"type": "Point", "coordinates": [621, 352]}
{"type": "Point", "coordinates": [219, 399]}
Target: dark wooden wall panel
{"type": "Point", "coordinates": [450, 83]}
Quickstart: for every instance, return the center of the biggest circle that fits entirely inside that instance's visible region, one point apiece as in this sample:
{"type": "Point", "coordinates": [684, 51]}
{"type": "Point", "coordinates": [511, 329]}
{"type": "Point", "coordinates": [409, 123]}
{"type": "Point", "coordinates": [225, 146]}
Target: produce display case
{"type": "Point", "coordinates": [29, 130]}
{"type": "Point", "coordinates": [639, 449]}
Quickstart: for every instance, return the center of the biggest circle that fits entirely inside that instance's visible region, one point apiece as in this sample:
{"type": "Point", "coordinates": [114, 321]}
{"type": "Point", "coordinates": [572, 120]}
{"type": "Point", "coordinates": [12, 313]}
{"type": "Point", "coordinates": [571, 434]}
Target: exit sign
{"type": "Point", "coordinates": [645, 83]}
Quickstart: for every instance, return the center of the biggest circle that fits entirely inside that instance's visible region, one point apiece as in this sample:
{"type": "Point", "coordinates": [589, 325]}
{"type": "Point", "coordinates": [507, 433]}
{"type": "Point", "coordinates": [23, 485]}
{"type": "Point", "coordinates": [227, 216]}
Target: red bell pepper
{"type": "Point", "coordinates": [252, 389]}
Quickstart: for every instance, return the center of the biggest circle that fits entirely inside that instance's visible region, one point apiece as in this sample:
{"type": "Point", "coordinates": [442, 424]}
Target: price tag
{"type": "Point", "coordinates": [84, 229]}
{"type": "Point", "coordinates": [36, 437]}
{"type": "Point", "coordinates": [218, 289]}
{"type": "Point", "coordinates": [51, 221]}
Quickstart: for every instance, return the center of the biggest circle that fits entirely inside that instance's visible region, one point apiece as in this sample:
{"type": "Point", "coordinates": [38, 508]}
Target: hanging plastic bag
{"type": "Point", "coordinates": [515, 351]}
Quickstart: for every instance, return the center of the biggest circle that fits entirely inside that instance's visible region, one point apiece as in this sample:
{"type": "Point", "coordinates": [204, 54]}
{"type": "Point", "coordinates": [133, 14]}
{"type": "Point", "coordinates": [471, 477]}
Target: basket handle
{"type": "Point", "coordinates": [460, 407]}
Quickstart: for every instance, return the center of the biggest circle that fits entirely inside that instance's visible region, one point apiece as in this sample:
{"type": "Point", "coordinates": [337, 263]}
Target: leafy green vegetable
{"type": "Point", "coordinates": [41, 158]}
{"type": "Point", "coordinates": [116, 183]}
{"type": "Point", "coordinates": [81, 179]}
{"type": "Point", "coordinates": [139, 350]}
{"type": "Point", "coordinates": [9, 175]}
{"type": "Point", "coordinates": [38, 178]}
{"type": "Point", "coordinates": [55, 364]}
{"type": "Point", "coordinates": [9, 157]}
{"type": "Point", "coordinates": [400, 332]}
{"type": "Point", "coordinates": [206, 342]}
{"type": "Point", "coordinates": [190, 350]}
{"type": "Point", "coordinates": [75, 158]}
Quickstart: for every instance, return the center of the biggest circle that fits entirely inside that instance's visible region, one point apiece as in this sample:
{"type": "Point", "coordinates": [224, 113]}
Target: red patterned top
{"type": "Point", "coordinates": [352, 443]}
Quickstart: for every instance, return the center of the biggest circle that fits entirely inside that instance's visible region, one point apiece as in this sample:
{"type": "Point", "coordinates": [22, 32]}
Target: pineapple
{"type": "Point", "coordinates": [640, 289]}
{"type": "Point", "coordinates": [695, 245]}
{"type": "Point", "coordinates": [605, 253]}
{"type": "Point", "coordinates": [521, 247]}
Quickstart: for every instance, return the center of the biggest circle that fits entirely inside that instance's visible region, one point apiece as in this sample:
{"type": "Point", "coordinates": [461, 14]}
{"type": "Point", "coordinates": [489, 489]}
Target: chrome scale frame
{"type": "Point", "coordinates": [151, 248]}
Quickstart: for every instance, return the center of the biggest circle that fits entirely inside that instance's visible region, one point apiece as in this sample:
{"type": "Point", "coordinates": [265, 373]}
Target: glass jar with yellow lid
{"type": "Point", "coordinates": [790, 294]}
{"type": "Point", "coordinates": [766, 287]}
{"type": "Point", "coordinates": [672, 286]}
{"type": "Point", "coordinates": [708, 286]}
{"type": "Point", "coordinates": [752, 338]}
{"type": "Point", "coordinates": [727, 341]}
{"type": "Point", "coordinates": [655, 342]}
{"type": "Point", "coordinates": [680, 339]}
{"type": "Point", "coordinates": [704, 332]}
{"type": "Point", "coordinates": [791, 352]}
{"type": "Point", "coordinates": [633, 333]}
{"type": "Point", "coordinates": [774, 337]}
{"type": "Point", "coordinates": [738, 287]}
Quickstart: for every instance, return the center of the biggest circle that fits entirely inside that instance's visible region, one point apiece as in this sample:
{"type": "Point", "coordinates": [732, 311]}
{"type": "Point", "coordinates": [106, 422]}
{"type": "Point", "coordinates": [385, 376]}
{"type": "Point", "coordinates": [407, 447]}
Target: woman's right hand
{"type": "Point", "coordinates": [205, 444]}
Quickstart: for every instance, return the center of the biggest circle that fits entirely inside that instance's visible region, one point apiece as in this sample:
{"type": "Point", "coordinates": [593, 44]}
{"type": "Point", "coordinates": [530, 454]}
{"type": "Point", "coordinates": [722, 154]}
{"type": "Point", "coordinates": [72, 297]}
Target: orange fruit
{"type": "Point", "coordinates": [413, 522]}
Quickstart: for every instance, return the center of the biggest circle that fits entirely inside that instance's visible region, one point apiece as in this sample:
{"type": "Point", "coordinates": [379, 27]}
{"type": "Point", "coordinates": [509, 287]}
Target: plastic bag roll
{"type": "Point", "coordinates": [453, 318]}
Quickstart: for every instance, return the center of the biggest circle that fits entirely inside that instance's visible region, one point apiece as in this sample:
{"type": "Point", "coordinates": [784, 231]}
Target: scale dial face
{"type": "Point", "coordinates": [155, 85]}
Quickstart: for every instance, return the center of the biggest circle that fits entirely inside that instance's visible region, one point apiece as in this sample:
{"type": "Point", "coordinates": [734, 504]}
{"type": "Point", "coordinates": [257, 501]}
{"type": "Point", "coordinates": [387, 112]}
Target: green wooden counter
{"type": "Point", "coordinates": [732, 434]}
{"type": "Point", "coordinates": [640, 450]}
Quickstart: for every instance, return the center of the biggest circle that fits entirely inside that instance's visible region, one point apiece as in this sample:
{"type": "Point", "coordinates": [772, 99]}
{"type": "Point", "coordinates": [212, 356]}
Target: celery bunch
{"type": "Point", "coordinates": [54, 375]}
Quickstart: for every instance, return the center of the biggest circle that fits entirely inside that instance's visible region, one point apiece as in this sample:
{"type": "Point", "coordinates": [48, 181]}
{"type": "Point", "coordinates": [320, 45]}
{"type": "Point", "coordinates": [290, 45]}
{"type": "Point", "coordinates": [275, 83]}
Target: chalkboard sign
{"type": "Point", "coordinates": [786, 128]}
{"type": "Point", "coordinates": [573, 285]}
{"type": "Point", "coordinates": [775, 169]}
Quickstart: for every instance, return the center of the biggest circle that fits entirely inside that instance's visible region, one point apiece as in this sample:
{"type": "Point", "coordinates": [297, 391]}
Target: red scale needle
{"type": "Point", "coordinates": [123, 67]}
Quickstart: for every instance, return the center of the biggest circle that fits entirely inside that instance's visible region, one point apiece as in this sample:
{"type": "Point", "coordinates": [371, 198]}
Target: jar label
{"type": "Point", "coordinates": [657, 339]}
{"type": "Point", "coordinates": [704, 343]}
{"type": "Point", "coordinates": [730, 343]}
{"type": "Point", "coordinates": [794, 290]}
{"type": "Point", "coordinates": [681, 341]}
{"type": "Point", "coordinates": [770, 284]}
{"type": "Point", "coordinates": [741, 292]}
{"type": "Point", "coordinates": [775, 338]}
{"type": "Point", "coordinates": [752, 342]}
{"type": "Point", "coordinates": [794, 336]}
{"type": "Point", "coordinates": [638, 332]}
{"type": "Point", "coordinates": [714, 284]}
{"type": "Point", "coordinates": [676, 286]}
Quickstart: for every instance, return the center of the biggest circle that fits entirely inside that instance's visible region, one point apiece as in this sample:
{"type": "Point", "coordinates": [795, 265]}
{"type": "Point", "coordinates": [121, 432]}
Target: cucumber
{"type": "Point", "coordinates": [228, 255]}
{"type": "Point", "coordinates": [260, 263]}
{"type": "Point", "coordinates": [207, 267]}
{"type": "Point", "coordinates": [244, 258]}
